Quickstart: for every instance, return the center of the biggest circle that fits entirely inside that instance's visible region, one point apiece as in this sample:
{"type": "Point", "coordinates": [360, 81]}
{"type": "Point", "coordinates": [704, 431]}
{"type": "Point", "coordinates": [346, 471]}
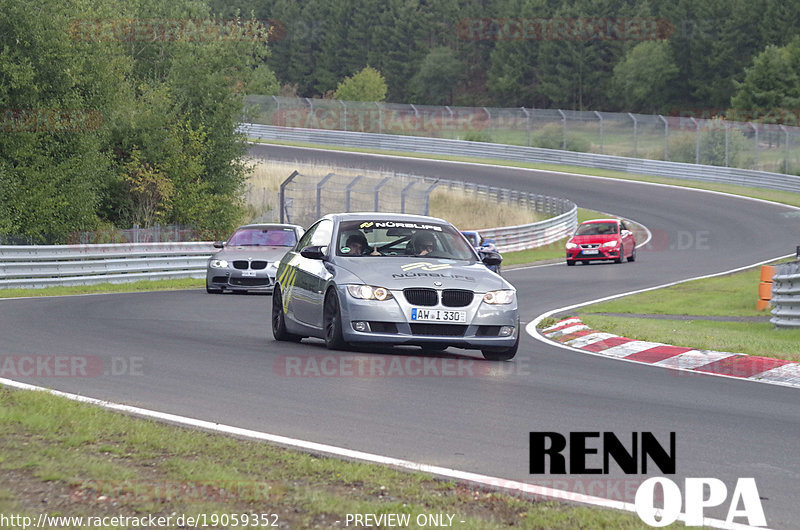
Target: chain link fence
{"type": "Point", "coordinates": [690, 136]}
{"type": "Point", "coordinates": [305, 198]}
{"type": "Point", "coordinates": [153, 234]}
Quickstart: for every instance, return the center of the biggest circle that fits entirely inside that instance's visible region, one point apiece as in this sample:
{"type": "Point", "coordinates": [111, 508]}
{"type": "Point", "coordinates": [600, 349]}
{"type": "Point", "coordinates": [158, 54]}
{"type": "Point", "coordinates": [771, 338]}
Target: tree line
{"type": "Point", "coordinates": [121, 113]}
{"type": "Point", "coordinates": [613, 55]}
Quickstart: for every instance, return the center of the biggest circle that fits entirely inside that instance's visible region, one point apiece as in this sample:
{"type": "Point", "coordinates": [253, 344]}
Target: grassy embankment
{"type": "Point", "coordinates": [71, 459]}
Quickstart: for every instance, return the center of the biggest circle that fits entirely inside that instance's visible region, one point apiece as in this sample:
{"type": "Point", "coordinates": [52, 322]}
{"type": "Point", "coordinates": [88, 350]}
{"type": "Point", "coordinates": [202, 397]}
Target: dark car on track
{"type": "Point", "coordinates": [392, 279]}
{"type": "Point", "coordinates": [248, 261]}
{"type": "Point", "coordinates": [482, 246]}
{"type": "Point", "coordinates": [601, 239]}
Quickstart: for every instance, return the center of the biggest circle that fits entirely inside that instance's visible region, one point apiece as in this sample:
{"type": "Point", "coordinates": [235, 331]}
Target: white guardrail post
{"type": "Point", "coordinates": [786, 296]}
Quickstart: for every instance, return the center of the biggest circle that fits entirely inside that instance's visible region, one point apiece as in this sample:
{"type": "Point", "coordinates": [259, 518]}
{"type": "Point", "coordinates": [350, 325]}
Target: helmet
{"type": "Point", "coordinates": [423, 239]}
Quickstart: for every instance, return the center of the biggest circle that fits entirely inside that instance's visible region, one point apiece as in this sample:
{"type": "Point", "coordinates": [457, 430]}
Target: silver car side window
{"type": "Point", "coordinates": [322, 234]}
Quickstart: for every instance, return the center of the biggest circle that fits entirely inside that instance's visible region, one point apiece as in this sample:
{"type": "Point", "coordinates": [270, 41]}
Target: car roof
{"type": "Point", "coordinates": [384, 216]}
{"type": "Point", "coordinates": [269, 225]}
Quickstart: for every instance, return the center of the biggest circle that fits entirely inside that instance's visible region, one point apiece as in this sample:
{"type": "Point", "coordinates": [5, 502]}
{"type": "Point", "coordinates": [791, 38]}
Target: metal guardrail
{"type": "Point", "coordinates": [786, 296]}
{"type": "Point", "coordinates": [731, 138]}
{"type": "Point", "coordinates": [511, 238]}
{"type": "Point", "coordinates": [34, 266]}
{"type": "Point", "coordinates": [440, 146]}
{"type": "Point", "coordinates": [305, 198]}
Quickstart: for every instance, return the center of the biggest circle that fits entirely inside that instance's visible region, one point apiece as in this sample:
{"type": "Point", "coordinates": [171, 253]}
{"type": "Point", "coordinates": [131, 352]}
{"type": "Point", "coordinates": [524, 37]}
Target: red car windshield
{"type": "Point", "coordinates": [596, 229]}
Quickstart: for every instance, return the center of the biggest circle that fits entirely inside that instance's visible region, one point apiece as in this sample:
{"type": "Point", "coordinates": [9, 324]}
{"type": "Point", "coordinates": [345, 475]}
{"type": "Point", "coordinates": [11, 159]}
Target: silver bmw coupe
{"type": "Point", "coordinates": [393, 279]}
{"type": "Point", "coordinates": [248, 261]}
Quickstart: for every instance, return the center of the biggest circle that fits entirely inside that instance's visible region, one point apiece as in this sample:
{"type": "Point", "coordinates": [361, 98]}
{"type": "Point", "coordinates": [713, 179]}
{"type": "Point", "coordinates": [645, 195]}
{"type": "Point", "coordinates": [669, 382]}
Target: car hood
{"type": "Point", "coordinates": [601, 238]}
{"type": "Point", "coordinates": [267, 253]}
{"type": "Point", "coordinates": [400, 273]}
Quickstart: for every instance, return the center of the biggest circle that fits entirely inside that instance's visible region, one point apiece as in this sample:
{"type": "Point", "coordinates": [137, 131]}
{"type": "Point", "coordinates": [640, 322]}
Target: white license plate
{"type": "Point", "coordinates": [591, 251]}
{"type": "Point", "coordinates": [438, 315]}
{"type": "Point", "coordinates": [248, 274]}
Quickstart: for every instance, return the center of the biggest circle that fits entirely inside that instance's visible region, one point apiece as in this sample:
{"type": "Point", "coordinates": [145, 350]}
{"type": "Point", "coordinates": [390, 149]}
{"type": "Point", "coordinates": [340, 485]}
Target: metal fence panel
{"type": "Point", "coordinates": [401, 193]}
{"type": "Point", "coordinates": [689, 136]}
{"type": "Point", "coordinates": [441, 146]}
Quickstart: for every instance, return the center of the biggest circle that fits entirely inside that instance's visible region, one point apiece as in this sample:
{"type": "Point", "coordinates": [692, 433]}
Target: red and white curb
{"type": "Point", "coordinates": [575, 334]}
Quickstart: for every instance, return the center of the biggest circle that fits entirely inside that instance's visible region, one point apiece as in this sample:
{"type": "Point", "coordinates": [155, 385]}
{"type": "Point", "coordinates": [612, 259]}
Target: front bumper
{"type": "Point", "coordinates": [579, 254]}
{"type": "Point", "coordinates": [390, 322]}
{"type": "Point", "coordinates": [231, 279]}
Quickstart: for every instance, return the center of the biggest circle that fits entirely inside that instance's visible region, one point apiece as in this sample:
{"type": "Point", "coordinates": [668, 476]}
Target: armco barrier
{"type": "Point", "coordinates": [33, 266]}
{"type": "Point", "coordinates": [439, 146]}
{"type": "Point", "coordinates": [786, 296]}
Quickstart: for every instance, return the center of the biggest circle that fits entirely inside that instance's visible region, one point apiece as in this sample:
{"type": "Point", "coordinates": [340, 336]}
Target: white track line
{"type": "Point", "coordinates": [504, 485]}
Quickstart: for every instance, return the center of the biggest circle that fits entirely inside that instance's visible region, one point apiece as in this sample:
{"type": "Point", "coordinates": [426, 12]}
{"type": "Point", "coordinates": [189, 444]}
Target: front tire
{"type": "Point", "coordinates": [502, 355]}
{"type": "Point", "coordinates": [621, 255]}
{"type": "Point", "coordinates": [279, 321]}
{"type": "Point", "coordinates": [633, 255]}
{"type": "Point", "coordinates": [332, 320]}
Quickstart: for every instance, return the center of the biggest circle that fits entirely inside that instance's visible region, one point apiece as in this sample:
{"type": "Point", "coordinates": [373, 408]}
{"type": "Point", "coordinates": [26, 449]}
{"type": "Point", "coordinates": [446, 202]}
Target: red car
{"type": "Point", "coordinates": [601, 239]}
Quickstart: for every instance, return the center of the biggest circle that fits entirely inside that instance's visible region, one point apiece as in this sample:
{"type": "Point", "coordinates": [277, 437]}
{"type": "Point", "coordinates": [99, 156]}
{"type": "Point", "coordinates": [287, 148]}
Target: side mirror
{"type": "Point", "coordinates": [491, 258]}
{"type": "Point", "coordinates": [313, 252]}
{"type": "Point", "coordinates": [219, 244]}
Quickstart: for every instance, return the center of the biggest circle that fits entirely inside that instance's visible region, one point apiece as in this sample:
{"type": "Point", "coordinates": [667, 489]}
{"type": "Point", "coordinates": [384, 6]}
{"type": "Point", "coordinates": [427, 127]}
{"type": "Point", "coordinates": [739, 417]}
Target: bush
{"type": "Point", "coordinates": [551, 136]}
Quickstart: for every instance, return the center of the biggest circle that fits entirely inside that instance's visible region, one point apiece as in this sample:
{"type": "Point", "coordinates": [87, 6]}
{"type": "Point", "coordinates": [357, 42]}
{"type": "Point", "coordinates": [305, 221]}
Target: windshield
{"type": "Point", "coordinates": [367, 238]}
{"type": "Point", "coordinates": [596, 229]}
{"type": "Point", "coordinates": [263, 237]}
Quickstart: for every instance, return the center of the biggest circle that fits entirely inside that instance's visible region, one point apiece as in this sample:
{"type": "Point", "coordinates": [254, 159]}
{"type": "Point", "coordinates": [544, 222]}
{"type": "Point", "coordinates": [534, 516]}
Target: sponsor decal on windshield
{"type": "Point", "coordinates": [397, 224]}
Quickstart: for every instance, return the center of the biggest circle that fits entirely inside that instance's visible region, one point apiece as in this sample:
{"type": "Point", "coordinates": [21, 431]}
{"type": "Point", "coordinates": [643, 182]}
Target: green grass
{"type": "Point", "coordinates": [732, 295]}
{"type": "Point", "coordinates": [121, 465]}
{"type": "Point", "coordinates": [130, 287]}
{"type": "Point", "coordinates": [752, 338]}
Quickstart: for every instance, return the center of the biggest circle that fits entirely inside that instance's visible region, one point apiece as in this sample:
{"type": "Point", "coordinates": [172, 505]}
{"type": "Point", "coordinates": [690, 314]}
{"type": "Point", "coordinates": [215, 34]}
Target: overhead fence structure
{"type": "Point", "coordinates": [305, 198]}
{"type": "Point", "coordinates": [35, 266]}
{"type": "Point", "coordinates": [460, 148]}
{"type": "Point", "coordinates": [786, 296]}
{"type": "Point", "coordinates": [691, 136]}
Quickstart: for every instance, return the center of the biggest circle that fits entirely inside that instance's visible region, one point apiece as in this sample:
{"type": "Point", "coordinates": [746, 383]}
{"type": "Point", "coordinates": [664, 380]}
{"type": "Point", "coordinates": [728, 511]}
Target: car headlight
{"type": "Point", "coordinates": [571, 245]}
{"type": "Point", "coordinates": [611, 243]}
{"type": "Point", "coordinates": [218, 264]}
{"type": "Point", "coordinates": [369, 292]}
{"type": "Point", "coordinates": [505, 296]}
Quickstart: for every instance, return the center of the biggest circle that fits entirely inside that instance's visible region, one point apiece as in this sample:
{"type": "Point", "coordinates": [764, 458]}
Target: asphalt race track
{"type": "Point", "coordinates": [213, 357]}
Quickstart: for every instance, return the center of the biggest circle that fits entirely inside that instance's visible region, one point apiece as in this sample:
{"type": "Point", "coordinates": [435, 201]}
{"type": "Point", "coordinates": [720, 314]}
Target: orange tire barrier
{"type": "Point", "coordinates": [765, 287]}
